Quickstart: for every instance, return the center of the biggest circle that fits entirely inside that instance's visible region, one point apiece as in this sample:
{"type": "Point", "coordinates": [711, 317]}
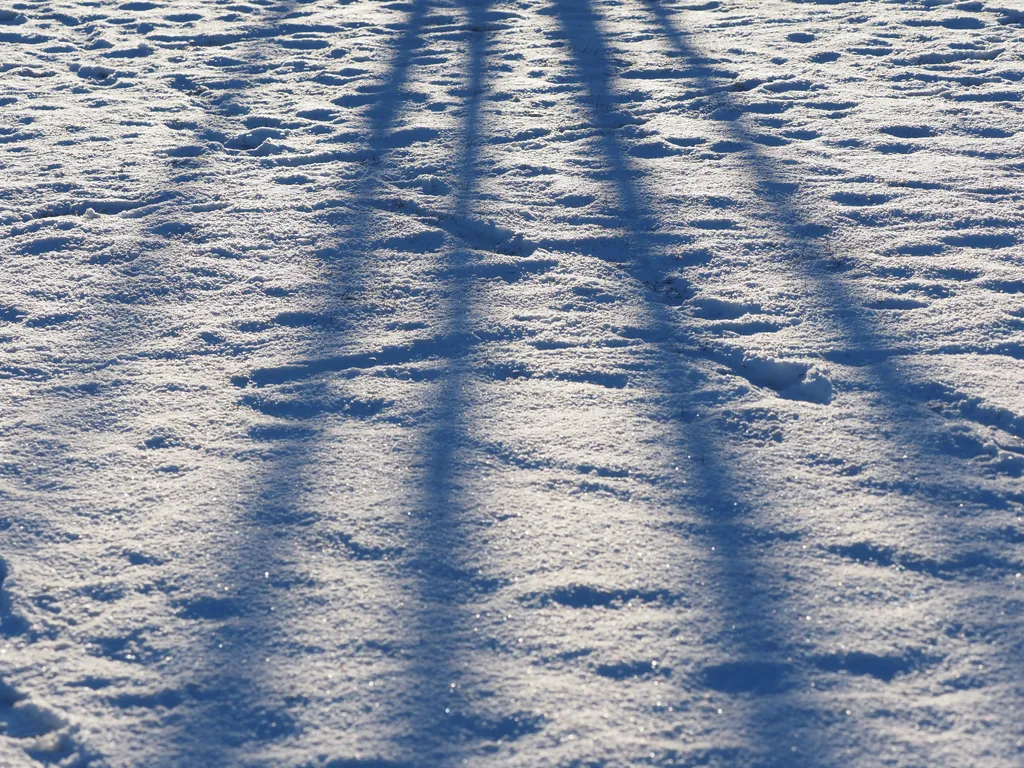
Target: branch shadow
{"type": "Point", "coordinates": [758, 670]}
{"type": "Point", "coordinates": [934, 471]}
{"type": "Point", "coordinates": [442, 717]}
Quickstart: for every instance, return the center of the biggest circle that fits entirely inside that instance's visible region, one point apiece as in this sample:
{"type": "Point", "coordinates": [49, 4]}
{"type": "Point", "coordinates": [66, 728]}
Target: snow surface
{"type": "Point", "coordinates": [521, 383]}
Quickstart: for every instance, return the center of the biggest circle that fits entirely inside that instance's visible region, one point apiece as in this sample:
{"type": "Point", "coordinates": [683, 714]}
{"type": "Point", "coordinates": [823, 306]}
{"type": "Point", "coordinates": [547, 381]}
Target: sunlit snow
{"type": "Point", "coordinates": [511, 383]}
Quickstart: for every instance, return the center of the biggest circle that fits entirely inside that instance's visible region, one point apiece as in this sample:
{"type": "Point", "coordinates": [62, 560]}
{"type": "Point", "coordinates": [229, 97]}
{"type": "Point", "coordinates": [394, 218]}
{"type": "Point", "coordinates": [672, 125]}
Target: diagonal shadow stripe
{"type": "Point", "coordinates": [280, 527]}
{"type": "Point", "coordinates": [759, 673]}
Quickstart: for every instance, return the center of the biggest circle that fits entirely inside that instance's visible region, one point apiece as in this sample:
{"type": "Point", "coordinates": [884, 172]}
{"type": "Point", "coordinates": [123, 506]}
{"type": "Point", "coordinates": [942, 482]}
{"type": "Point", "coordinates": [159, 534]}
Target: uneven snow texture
{"type": "Point", "coordinates": [521, 383]}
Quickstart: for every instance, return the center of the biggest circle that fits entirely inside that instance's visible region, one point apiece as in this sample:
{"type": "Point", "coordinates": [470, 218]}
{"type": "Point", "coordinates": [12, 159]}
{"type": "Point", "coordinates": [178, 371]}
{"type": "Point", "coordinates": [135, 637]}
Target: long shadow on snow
{"type": "Point", "coordinates": [760, 666]}
{"type": "Point", "coordinates": [452, 702]}
{"type": "Point", "coordinates": [440, 717]}
{"type": "Point", "coordinates": [932, 476]}
{"type": "Point", "coordinates": [902, 400]}
{"type": "Point", "coordinates": [755, 660]}
{"type": "Point", "coordinates": [279, 527]}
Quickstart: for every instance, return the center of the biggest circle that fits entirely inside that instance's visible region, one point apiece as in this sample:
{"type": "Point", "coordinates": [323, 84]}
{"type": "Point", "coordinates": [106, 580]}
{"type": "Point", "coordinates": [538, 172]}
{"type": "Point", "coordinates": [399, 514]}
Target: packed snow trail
{"type": "Point", "coordinates": [535, 383]}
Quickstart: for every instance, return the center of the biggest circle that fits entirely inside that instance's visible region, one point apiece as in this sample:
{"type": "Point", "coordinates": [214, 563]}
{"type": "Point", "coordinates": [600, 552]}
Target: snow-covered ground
{"type": "Point", "coordinates": [520, 383]}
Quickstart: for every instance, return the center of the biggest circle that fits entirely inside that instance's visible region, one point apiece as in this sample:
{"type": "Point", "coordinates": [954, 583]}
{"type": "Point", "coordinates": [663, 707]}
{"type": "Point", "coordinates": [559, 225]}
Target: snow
{"type": "Point", "coordinates": [511, 382]}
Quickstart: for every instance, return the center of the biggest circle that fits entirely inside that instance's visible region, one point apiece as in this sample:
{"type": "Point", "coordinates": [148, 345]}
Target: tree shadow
{"type": "Point", "coordinates": [432, 713]}
{"type": "Point", "coordinates": [756, 669]}
{"type": "Point", "coordinates": [767, 663]}
{"type": "Point", "coordinates": [900, 400]}
{"type": "Point", "coordinates": [259, 619]}
{"type": "Point", "coordinates": [754, 660]}
{"type": "Point", "coordinates": [454, 703]}
{"type": "Point", "coordinates": [440, 713]}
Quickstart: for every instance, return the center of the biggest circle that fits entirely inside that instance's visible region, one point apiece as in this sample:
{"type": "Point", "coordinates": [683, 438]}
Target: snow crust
{"type": "Point", "coordinates": [511, 382]}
